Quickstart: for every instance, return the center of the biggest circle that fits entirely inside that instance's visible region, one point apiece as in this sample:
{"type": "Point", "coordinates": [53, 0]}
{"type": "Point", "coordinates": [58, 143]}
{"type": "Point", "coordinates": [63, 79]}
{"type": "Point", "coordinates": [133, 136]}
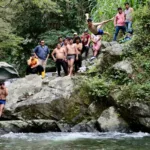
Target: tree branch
{"type": "Point", "coordinates": [6, 4]}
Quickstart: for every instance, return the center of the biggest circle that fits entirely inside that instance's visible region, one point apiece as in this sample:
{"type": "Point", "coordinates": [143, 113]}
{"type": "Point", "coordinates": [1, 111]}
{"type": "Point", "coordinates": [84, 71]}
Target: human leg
{"type": "Point", "coordinates": [123, 28]}
{"type": "Point", "coordinates": [116, 33]}
{"type": "Point", "coordinates": [40, 69]}
{"type": "Point", "coordinates": [28, 70]}
{"type": "Point", "coordinates": [58, 65]}
{"type": "Point", "coordinates": [63, 63]}
{"type": "Point", "coordinates": [86, 51]}
{"type": "Point", "coordinates": [72, 60]}
{"type": "Point", "coordinates": [1, 109]}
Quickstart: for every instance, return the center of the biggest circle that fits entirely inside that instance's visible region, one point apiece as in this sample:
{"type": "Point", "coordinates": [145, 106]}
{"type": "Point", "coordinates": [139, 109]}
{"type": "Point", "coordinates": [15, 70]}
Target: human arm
{"type": "Point", "coordinates": [103, 22]}
{"type": "Point", "coordinates": [29, 61]}
{"type": "Point", "coordinates": [65, 53]}
{"type": "Point", "coordinates": [115, 21]}
{"type": "Point", "coordinates": [89, 39]}
{"type": "Point", "coordinates": [35, 51]}
{"type": "Point", "coordinates": [76, 51]}
{"type": "Point", "coordinates": [54, 51]}
{"type": "Point", "coordinates": [6, 91]}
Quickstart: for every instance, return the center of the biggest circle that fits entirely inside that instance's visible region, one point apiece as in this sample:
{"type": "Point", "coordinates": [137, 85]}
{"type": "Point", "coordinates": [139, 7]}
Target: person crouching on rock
{"type": "Point", "coordinates": [59, 55]}
{"type": "Point", "coordinates": [34, 67]}
{"type": "Point", "coordinates": [3, 95]}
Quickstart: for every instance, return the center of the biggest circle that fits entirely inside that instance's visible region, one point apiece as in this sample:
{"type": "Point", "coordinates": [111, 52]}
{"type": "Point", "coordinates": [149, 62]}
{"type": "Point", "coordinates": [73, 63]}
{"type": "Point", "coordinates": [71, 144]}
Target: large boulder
{"type": "Point", "coordinates": [34, 98]}
{"type": "Point", "coordinates": [124, 65]}
{"type": "Point", "coordinates": [115, 49]}
{"type": "Point", "coordinates": [36, 126]}
{"type": "Point", "coordinates": [137, 114]}
{"type": "Point", "coordinates": [7, 71]}
{"type": "Point", "coordinates": [85, 126]}
{"type": "Point", "coordinates": [110, 121]}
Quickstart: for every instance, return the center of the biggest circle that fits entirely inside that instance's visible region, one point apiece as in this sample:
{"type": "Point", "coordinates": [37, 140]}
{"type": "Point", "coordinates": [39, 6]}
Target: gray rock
{"type": "Point", "coordinates": [139, 115]}
{"type": "Point", "coordinates": [110, 121]}
{"type": "Point", "coordinates": [124, 65]}
{"type": "Point", "coordinates": [22, 89]}
{"type": "Point", "coordinates": [30, 98]}
{"type": "Point", "coordinates": [105, 44]}
{"type": "Point", "coordinates": [85, 127]}
{"type": "Point", "coordinates": [36, 126]}
{"type": "Point", "coordinates": [7, 71]}
{"type": "Point", "coordinates": [114, 50]}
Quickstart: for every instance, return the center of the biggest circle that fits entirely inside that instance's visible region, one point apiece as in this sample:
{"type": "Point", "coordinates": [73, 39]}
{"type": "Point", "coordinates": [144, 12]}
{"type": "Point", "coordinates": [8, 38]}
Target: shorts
{"type": "Point", "coordinates": [71, 56]}
{"type": "Point", "coordinates": [96, 46]}
{"type": "Point", "coordinates": [100, 32]}
{"type": "Point", "coordinates": [2, 102]}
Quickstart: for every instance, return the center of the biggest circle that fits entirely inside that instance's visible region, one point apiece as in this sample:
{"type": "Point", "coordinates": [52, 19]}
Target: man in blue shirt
{"type": "Point", "coordinates": [42, 53]}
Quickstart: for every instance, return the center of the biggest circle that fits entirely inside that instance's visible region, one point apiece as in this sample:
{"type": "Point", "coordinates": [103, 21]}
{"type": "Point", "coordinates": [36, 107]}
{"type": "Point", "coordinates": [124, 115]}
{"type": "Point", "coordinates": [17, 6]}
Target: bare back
{"type": "Point", "coordinates": [3, 94]}
{"type": "Point", "coordinates": [71, 49]}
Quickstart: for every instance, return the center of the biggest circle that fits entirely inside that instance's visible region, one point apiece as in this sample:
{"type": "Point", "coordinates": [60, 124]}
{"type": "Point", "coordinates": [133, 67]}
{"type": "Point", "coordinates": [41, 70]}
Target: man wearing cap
{"type": "Point", "coordinates": [95, 27]}
{"type": "Point", "coordinates": [85, 38]}
{"type": "Point", "coordinates": [42, 53]}
{"type": "Point", "coordinates": [74, 36]}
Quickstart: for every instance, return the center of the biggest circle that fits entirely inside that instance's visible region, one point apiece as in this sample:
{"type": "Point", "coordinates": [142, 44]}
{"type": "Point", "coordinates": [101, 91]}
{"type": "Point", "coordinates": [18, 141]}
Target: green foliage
{"type": "Point", "coordinates": [136, 92]}
{"type": "Point", "coordinates": [96, 87]}
{"type": "Point", "coordinates": [106, 9]}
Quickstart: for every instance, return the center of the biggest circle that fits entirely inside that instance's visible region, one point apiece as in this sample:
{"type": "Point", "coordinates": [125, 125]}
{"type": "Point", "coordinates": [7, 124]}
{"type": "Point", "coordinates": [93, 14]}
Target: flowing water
{"type": "Point", "coordinates": [75, 141]}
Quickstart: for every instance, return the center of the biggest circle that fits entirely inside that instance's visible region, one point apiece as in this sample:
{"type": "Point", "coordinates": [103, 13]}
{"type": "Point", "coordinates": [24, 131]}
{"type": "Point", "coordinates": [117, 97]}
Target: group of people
{"type": "Point", "coordinates": [122, 21]}
{"type": "Point", "coordinates": [68, 52]}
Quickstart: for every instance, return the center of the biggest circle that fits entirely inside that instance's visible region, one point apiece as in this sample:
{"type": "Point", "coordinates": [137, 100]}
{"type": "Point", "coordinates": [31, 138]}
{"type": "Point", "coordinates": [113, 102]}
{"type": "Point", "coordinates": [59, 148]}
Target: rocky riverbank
{"type": "Point", "coordinates": [56, 103]}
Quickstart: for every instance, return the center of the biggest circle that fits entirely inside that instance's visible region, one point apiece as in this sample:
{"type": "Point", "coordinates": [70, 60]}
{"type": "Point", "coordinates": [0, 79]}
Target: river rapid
{"type": "Point", "coordinates": [75, 141]}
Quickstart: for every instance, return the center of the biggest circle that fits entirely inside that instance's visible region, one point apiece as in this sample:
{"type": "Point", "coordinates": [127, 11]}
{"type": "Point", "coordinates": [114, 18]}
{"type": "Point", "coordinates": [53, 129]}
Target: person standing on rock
{"type": "Point", "coordinates": [96, 39]}
{"type": "Point", "coordinates": [119, 23]}
{"type": "Point", "coordinates": [79, 46]}
{"type": "Point", "coordinates": [42, 53]}
{"type": "Point", "coordinates": [128, 14]}
{"type": "Point", "coordinates": [3, 95]}
{"type": "Point", "coordinates": [72, 55]}
{"type": "Point", "coordinates": [85, 38]}
{"type": "Point", "coordinates": [59, 55]}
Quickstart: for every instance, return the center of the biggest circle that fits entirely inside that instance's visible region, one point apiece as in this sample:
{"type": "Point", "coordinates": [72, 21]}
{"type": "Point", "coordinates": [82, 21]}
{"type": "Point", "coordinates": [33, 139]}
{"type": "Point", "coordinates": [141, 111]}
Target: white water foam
{"type": "Point", "coordinates": [55, 136]}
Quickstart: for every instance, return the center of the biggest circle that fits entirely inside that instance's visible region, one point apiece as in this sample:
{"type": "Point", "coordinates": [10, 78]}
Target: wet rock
{"type": "Point", "coordinates": [37, 126]}
{"type": "Point", "coordinates": [110, 121]}
{"type": "Point", "coordinates": [85, 127]}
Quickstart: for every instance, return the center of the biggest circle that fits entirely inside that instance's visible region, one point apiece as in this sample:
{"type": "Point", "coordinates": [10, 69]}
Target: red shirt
{"type": "Point", "coordinates": [85, 39]}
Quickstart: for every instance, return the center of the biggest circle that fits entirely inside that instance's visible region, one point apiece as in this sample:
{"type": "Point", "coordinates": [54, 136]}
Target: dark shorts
{"type": "Point", "coordinates": [71, 56]}
{"type": "Point", "coordinates": [100, 32]}
{"type": "Point", "coordinates": [2, 102]}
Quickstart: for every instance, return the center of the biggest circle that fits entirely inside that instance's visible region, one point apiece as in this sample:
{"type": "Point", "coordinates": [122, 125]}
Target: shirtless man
{"type": "Point", "coordinates": [95, 27]}
{"type": "Point", "coordinates": [79, 47]}
{"type": "Point", "coordinates": [72, 55]}
{"type": "Point", "coordinates": [60, 58]}
{"type": "Point", "coordinates": [3, 95]}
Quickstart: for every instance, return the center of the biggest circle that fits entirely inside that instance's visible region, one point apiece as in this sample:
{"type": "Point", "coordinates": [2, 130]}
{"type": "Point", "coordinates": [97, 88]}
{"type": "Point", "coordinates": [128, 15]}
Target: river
{"type": "Point", "coordinates": [75, 141]}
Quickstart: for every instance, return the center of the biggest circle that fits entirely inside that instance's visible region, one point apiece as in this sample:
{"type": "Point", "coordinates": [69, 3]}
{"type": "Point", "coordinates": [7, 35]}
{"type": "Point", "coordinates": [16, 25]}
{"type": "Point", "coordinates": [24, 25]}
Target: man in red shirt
{"type": "Point", "coordinates": [85, 38]}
